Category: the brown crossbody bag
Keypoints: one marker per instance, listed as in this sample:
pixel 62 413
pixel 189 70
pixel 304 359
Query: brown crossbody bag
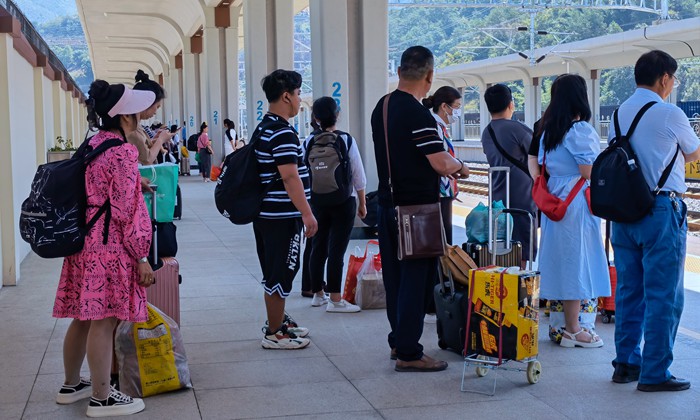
pixel 421 233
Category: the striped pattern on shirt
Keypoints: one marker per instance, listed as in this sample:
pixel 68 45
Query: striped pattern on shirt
pixel 278 144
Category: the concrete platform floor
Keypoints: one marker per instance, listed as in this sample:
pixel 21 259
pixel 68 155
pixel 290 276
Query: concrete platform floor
pixel 345 373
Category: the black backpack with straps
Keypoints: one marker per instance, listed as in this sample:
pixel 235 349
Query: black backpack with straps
pixel 619 192
pixel 239 193
pixel 52 220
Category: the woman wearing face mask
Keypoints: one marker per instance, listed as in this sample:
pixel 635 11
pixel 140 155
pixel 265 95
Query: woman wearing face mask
pixel 148 149
pixel 446 106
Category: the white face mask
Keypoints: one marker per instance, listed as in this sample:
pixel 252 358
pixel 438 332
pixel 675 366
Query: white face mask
pixel 455 116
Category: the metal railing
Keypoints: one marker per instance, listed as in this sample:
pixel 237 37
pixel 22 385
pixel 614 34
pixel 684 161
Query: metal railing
pixel 36 40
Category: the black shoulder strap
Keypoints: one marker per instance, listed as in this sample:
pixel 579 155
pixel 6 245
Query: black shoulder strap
pixel 348 136
pixel 636 120
pixel 106 145
pixel 667 171
pixel 518 164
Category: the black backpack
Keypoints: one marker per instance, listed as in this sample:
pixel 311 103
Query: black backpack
pixel 329 168
pixel 192 142
pixel 619 192
pixel 239 193
pixel 52 220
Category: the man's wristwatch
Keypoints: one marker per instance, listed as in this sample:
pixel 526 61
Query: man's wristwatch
pixel 143 260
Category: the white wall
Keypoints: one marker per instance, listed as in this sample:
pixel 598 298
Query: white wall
pixel 22 135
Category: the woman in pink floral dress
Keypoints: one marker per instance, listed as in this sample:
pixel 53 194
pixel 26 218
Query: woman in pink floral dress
pixel 105 282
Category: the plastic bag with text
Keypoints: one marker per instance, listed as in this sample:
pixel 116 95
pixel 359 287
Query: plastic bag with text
pixel 151 356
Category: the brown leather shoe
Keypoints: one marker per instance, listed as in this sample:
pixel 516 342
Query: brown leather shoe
pixel 425 364
pixel 393 355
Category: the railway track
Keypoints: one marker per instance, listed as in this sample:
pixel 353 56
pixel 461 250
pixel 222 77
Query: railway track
pixel 481 188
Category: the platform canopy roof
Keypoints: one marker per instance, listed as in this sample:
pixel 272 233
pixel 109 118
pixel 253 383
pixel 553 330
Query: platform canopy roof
pixel 680 38
pixel 126 35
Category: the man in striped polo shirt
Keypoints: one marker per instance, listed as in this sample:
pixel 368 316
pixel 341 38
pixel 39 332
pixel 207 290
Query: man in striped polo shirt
pixel 285 208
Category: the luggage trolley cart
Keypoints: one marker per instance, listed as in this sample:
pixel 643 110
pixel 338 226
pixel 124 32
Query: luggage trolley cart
pixel 484 348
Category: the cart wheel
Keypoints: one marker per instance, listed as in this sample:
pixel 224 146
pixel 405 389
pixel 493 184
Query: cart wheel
pixel 480 370
pixel 605 318
pixel 442 344
pixel 534 369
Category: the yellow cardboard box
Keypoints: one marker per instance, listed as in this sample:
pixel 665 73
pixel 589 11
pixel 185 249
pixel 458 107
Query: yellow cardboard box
pixel 505 312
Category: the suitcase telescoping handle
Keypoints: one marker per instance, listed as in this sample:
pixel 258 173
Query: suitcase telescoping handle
pixel 154 240
pixel 533 232
pixel 493 233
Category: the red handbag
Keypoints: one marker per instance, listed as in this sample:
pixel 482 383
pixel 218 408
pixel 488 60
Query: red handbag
pixel 552 206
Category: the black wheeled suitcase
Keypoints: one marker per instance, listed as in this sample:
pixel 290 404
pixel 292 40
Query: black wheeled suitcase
pixel 451 312
pixel 506 256
pixel 178 205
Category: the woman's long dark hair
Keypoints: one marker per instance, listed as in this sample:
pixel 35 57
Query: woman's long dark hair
pixel 569 101
pixel 102 97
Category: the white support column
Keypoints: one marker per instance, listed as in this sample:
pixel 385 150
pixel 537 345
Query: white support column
pixel 366 70
pixel 213 79
pixel 256 61
pixel 330 62
pixel 190 90
pixel 8 221
pixel 281 33
pixel 593 85
pixel 533 102
pixel 68 101
pixel 39 100
pixel 167 107
pixel 484 115
pixel 172 86
pixel 232 48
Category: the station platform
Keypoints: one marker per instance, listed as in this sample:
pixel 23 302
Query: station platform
pixel 344 374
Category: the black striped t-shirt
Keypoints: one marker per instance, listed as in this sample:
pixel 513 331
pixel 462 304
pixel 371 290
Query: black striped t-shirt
pixel 278 144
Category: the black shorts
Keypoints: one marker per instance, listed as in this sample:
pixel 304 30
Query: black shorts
pixel 278 244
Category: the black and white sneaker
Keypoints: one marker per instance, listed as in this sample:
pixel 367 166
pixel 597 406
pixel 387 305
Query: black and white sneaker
pixel 68 394
pixel 283 339
pixel 292 326
pixel 116 404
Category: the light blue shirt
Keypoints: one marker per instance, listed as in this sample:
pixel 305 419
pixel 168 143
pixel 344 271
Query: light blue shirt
pixel 654 140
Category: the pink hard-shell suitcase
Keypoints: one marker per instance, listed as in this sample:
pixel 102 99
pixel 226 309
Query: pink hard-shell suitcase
pixel 164 294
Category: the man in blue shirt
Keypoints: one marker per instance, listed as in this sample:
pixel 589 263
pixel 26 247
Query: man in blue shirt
pixel 650 253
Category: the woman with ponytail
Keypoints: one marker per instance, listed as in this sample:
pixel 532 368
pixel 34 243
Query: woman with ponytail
pixel 148 148
pixel 105 282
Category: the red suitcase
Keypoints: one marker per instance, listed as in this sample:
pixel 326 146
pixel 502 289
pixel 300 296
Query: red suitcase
pixel 606 305
pixel 164 294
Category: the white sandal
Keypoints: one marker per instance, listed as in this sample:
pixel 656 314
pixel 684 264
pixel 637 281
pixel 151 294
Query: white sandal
pixel 569 340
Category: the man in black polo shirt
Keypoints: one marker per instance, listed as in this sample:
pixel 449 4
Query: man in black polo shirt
pixel 418 159
pixel 285 208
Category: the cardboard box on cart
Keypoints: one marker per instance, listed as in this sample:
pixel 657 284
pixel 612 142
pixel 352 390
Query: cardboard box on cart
pixel 518 314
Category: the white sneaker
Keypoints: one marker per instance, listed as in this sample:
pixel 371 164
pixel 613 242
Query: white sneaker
pixel 116 404
pixel 68 394
pixel 342 306
pixel 319 300
pixel 283 339
pixel 430 318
